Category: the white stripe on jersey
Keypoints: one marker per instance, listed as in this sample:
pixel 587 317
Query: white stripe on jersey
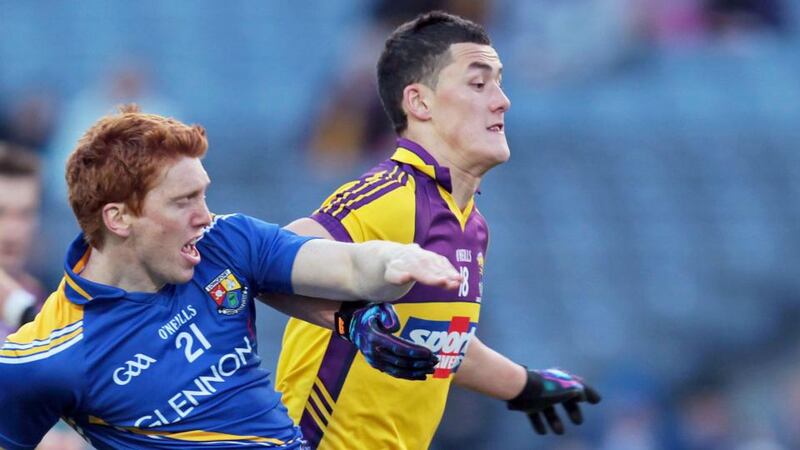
pixel 214 222
pixel 38 343
pixel 35 357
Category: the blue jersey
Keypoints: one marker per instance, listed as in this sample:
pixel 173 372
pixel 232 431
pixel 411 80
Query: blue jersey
pixel 174 369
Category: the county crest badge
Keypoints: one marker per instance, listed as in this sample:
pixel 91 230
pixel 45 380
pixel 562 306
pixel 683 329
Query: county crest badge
pixel 229 295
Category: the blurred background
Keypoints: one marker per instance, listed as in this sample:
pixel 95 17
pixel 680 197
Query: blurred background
pixel 645 234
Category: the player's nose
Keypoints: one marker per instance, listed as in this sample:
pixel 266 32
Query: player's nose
pixel 501 102
pixel 203 216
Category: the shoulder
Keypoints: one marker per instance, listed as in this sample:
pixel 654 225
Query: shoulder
pixel 380 204
pixel 262 252
pixel 480 217
pixel 237 224
pixel 371 187
pixel 234 235
pixel 56 329
pixel 46 352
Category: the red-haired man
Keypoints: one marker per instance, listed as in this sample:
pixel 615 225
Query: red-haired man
pixel 149 341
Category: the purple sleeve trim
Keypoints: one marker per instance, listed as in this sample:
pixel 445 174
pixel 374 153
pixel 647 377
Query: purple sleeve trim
pixel 388 187
pixel 334 227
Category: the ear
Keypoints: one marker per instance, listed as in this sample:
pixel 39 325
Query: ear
pixel 416 101
pixel 116 217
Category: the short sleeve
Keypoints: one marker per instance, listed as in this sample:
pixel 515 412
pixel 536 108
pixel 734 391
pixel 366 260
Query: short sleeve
pixel 274 258
pixel 264 252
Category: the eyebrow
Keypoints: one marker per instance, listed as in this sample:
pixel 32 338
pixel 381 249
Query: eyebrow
pixel 484 66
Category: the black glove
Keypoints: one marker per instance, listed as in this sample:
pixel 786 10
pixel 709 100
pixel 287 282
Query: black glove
pixel 369 327
pixel 547 388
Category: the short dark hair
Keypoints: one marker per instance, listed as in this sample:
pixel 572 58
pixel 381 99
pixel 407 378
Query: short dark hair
pixel 16 161
pixel 415 53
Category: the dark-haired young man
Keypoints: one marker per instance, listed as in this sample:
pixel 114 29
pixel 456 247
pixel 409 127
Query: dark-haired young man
pixel 439 80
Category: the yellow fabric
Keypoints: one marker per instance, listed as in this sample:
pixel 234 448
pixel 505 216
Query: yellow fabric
pixel 373 410
pixel 77 269
pixel 46 331
pixel 408 157
pixel 304 344
pixel 462 216
pixel 301 356
pixel 408 412
pixel 350 196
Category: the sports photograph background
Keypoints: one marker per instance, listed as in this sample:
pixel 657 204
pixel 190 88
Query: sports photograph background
pixel 645 233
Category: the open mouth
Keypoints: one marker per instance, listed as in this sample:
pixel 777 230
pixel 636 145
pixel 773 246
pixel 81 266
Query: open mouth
pixel 189 250
pixel 496 128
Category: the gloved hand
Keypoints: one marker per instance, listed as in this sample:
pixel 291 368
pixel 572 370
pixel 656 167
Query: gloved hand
pixel 369 327
pixel 547 388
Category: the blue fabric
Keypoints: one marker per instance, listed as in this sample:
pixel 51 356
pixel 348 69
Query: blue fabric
pixel 183 359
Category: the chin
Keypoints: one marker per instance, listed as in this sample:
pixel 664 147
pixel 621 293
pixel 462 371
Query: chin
pixel 182 278
pixel 498 154
pixel 188 277
pixel 505 157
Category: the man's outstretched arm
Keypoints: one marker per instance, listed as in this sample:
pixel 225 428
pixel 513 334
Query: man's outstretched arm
pixel 313 310
pixel 534 392
pixel 318 311
pixel 369 327
pixel 374 270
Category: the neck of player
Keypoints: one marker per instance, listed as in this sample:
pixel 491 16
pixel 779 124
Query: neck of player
pixel 465 184
pixel 115 267
pixel 464 176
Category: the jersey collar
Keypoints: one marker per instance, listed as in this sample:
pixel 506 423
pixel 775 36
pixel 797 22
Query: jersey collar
pixel 78 289
pixel 409 152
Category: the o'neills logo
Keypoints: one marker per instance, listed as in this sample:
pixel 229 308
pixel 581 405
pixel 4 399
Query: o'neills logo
pixel 227 293
pixel 448 340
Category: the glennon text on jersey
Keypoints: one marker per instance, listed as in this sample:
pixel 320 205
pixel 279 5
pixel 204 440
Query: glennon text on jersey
pixel 184 401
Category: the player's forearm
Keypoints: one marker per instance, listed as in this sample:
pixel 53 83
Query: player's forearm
pixel 488 372
pixel 309 227
pixel 375 271
pixel 340 271
pixel 313 310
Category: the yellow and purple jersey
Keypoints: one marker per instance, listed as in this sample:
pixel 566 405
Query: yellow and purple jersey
pixel 340 401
